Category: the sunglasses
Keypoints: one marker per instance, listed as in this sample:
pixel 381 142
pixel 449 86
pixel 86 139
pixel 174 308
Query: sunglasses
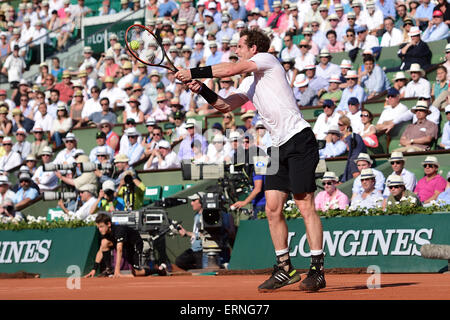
pixel 394 187
pixel 328 183
pixel 327 107
pixel 396 162
pixel 428 165
pixel 364 115
pixel 157 134
pixel 303 46
pixel 341 124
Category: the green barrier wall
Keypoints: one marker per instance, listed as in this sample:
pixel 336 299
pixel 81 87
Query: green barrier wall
pixel 48 252
pixel 391 242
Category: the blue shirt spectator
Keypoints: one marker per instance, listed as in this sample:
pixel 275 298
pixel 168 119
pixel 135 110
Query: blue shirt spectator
pixel 237 12
pixel 445 142
pixel 375 82
pixel 435 32
pixel 166 8
pixel 214 58
pixel 425 12
pixel 185 152
pixel 356 91
pixel 387 7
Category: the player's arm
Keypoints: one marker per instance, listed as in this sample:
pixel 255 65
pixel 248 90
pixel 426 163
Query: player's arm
pixel 98 259
pixel 221 70
pixel 223 105
pixel 119 250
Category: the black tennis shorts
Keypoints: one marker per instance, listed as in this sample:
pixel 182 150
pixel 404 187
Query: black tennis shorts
pixel 298 159
pixel 132 253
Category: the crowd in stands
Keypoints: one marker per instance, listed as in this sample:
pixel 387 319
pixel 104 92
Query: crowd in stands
pixel 112 88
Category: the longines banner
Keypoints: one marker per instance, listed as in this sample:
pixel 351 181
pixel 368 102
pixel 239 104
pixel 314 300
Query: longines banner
pixel 48 252
pixel 391 242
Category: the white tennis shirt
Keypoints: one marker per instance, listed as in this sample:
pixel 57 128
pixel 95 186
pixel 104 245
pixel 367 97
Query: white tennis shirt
pixel 272 96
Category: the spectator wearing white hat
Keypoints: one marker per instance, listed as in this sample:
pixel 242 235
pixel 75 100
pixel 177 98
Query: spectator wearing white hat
pixel 398 194
pixel 315 82
pixel 25 194
pixel 303 93
pixel 185 151
pixel 88 201
pixel 101 149
pixel 46 180
pixel 107 201
pixel 363 161
pixel 353 89
pixel 11 159
pixel 370 197
pixel 415 51
pixel 325 68
pixel 445 141
pixel 334 146
pixel 432 184
pixel 332 92
pixel 331 197
pixel 67 154
pixel 418 86
pixel 305 57
pixel 22 146
pixel 135 150
pixel 81 179
pixel 5 190
pixel 398 162
pixel 373 17
pixel 162 158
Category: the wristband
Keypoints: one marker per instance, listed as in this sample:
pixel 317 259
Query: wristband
pixel 209 95
pixel 96 265
pixel 201 72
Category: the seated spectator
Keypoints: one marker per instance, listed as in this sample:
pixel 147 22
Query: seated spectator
pixel 432 184
pixel 67 155
pixel 305 57
pixel 329 117
pixel 107 200
pixel 112 138
pixel 331 197
pixel 5 191
pixel 364 40
pixel 333 92
pixel 262 136
pixel 419 136
pixel 415 51
pixel 444 197
pixel 22 146
pixel 5 123
pixel 42 118
pixel 20 121
pixel 185 151
pixel 334 146
pixel 30 163
pixel 398 168
pixel 441 83
pixel 133 112
pixel 88 201
pixel 373 78
pixel 11 159
pixel 398 194
pixel 437 28
pixel 400 82
pixel 353 89
pixel 135 150
pixel 162 111
pixel 363 161
pixel 46 180
pixel 370 197
pixel 418 86
pixel 100 139
pixel 218 150
pixel 316 82
pixel 25 194
pixel 162 158
pixel 391 112
pixel 76 108
pixel 228 121
pixel 61 125
pixel 392 36
pixel 350 37
pixel 445 142
pixel 106 113
pixel 334 45
pixel 303 93
pixel 8 211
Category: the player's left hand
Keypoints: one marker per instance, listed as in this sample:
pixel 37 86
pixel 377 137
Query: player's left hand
pixel 184 75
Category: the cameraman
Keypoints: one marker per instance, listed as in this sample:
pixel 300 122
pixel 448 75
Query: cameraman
pixel 192 258
pixel 88 201
pixel 7 210
pixel 106 200
pixel 103 158
pixel 128 244
pixel 83 179
pixel 130 188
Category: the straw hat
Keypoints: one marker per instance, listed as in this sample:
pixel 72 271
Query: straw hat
pixel 396 156
pixel 367 174
pixel 363 157
pixel 421 106
pixel 301 81
pixel 415 67
pixel 395 180
pixel 431 160
pixel 330 175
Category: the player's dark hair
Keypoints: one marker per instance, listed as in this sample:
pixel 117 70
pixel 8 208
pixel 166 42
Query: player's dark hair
pixel 102 217
pixel 369 58
pixel 257 38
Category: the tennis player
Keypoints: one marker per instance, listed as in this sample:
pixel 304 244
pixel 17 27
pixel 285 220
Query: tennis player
pixel 293 139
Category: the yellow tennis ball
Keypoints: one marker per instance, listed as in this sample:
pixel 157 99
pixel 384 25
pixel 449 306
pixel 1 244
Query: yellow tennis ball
pixel 134 44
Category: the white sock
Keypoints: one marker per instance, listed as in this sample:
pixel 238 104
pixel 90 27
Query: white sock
pixel 281 252
pixel 316 252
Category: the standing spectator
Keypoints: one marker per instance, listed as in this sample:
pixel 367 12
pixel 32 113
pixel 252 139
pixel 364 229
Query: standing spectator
pixel 331 197
pixel 432 184
pixel 14 68
pixel 370 197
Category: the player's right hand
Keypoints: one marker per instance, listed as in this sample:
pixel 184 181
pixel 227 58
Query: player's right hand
pixel 90 274
pixel 194 86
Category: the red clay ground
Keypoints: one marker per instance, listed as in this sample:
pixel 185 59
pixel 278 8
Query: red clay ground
pixel 228 287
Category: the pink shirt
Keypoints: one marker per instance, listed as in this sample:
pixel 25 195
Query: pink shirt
pixel 425 189
pixel 338 47
pixel 323 199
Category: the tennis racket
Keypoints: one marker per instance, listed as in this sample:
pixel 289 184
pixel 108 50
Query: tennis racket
pixel 138 38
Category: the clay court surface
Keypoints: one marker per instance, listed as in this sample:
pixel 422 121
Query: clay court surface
pixel 228 287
